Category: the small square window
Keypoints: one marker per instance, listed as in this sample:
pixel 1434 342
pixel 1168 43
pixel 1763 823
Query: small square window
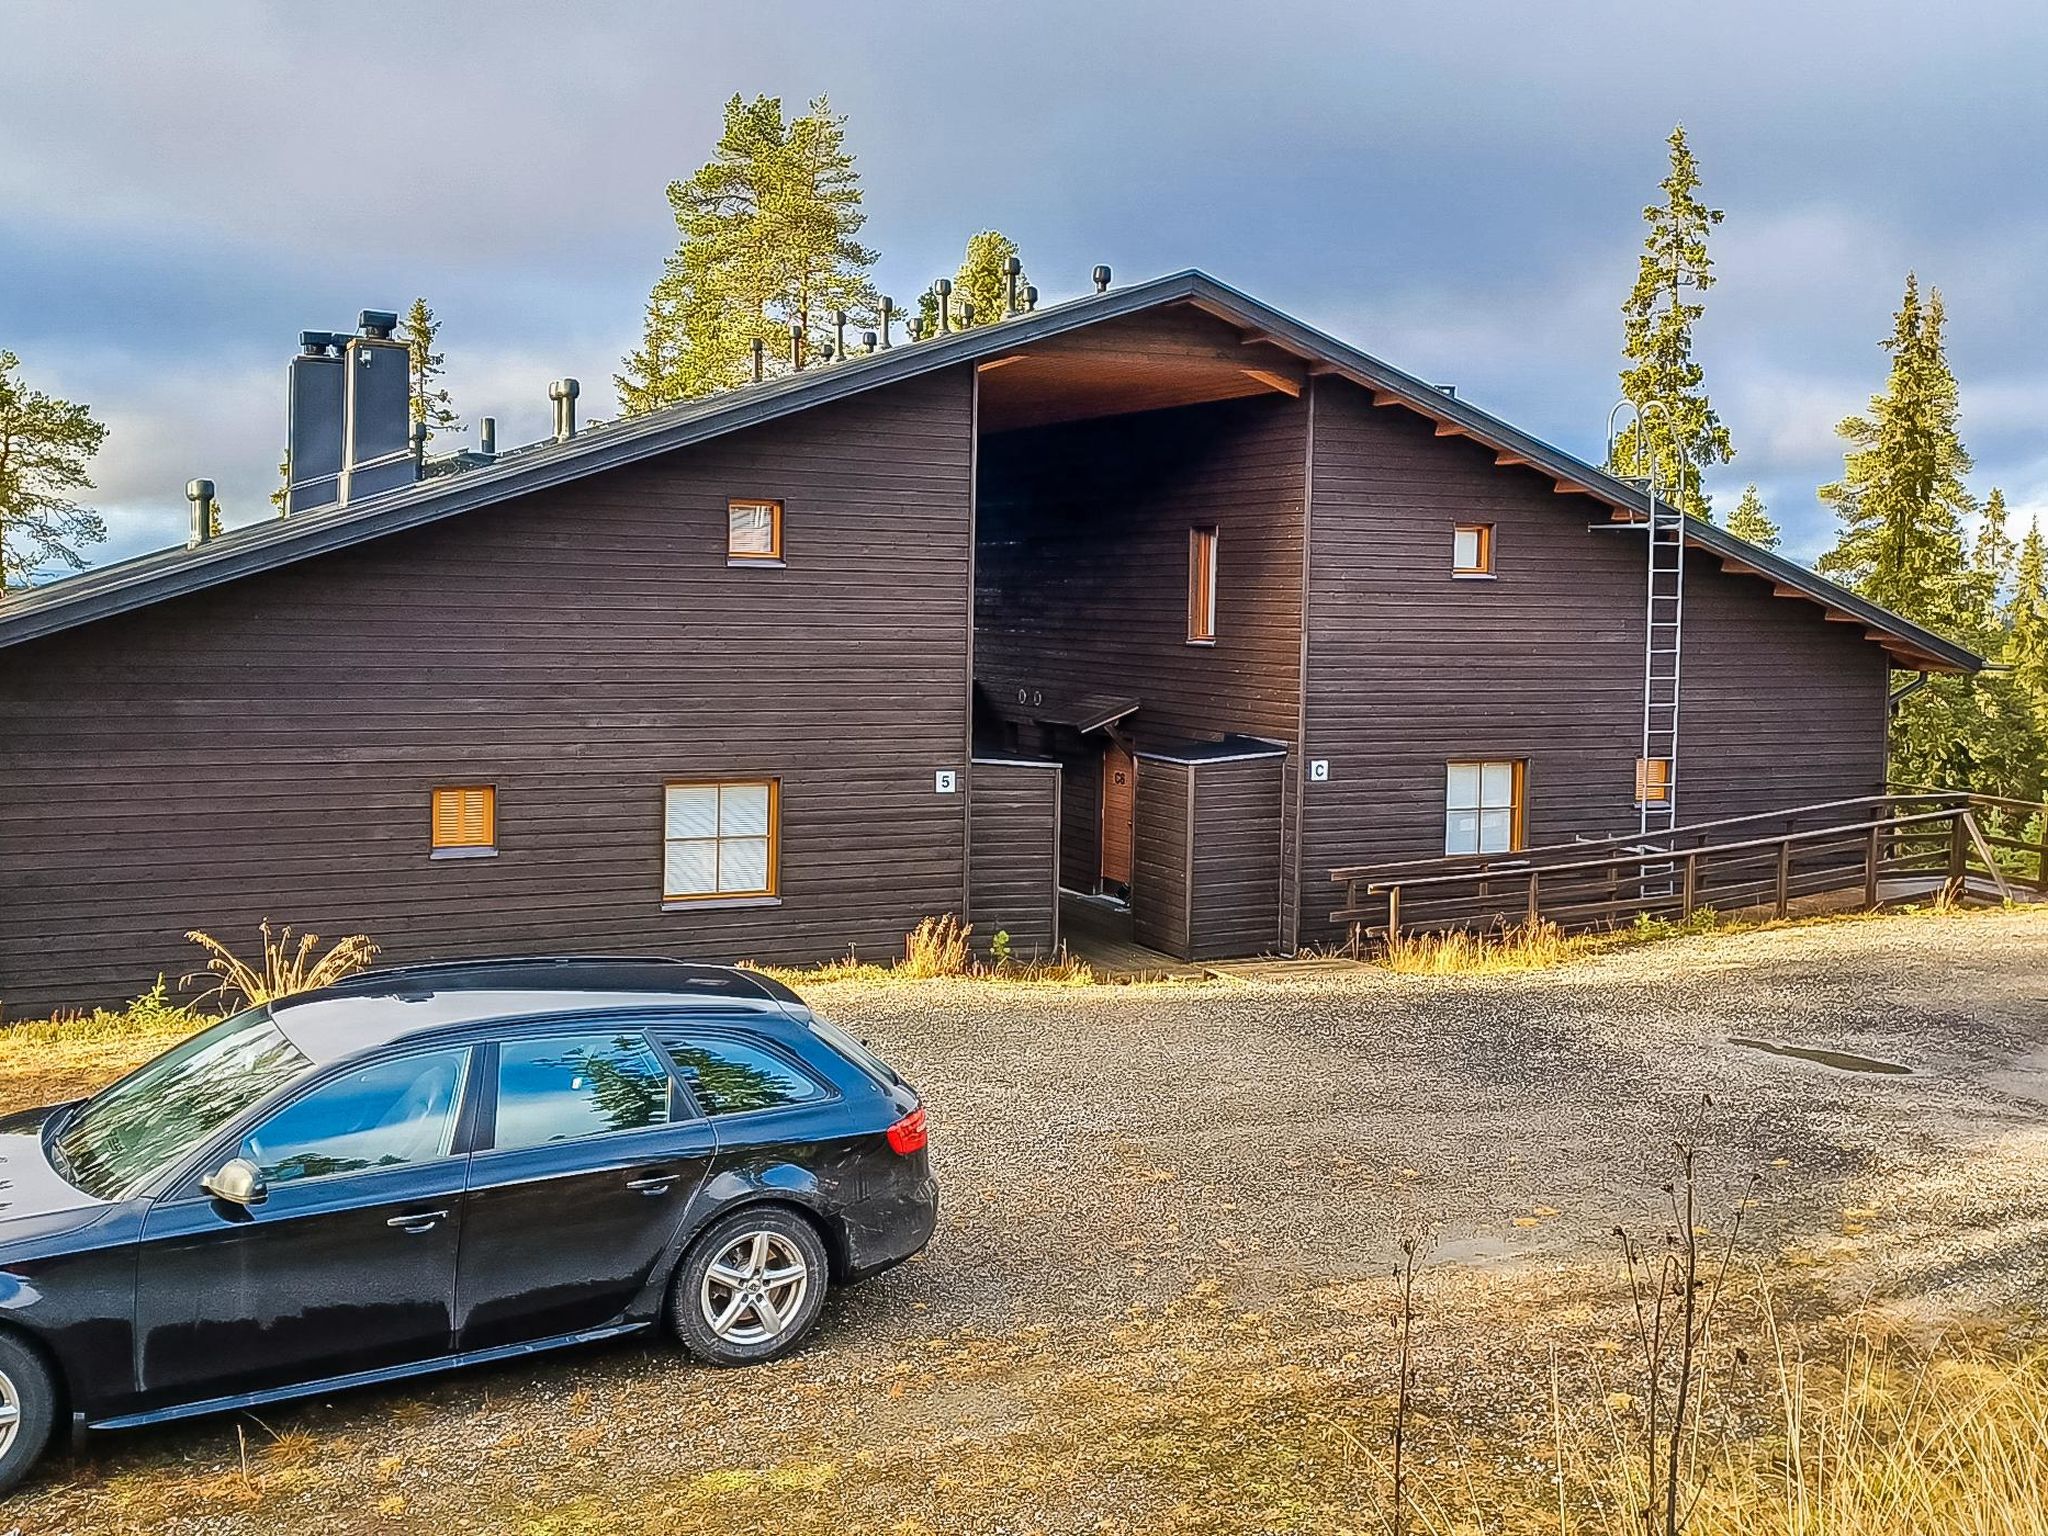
pixel 1653 780
pixel 465 816
pixel 753 530
pixel 1472 549
pixel 719 840
pixel 1483 806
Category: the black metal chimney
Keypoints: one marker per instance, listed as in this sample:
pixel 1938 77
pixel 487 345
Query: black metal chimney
pixel 564 392
pixel 377 446
pixel 888 314
pixel 487 437
pixel 796 344
pixel 944 289
pixel 760 360
pixel 839 333
pixel 314 407
pixel 200 494
pixel 1101 276
pixel 1013 269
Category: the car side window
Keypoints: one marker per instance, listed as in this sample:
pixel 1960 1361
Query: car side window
pixel 399 1111
pixel 730 1077
pixel 567 1087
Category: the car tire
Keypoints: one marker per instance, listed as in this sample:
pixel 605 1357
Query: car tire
pixel 28 1409
pixel 750 1287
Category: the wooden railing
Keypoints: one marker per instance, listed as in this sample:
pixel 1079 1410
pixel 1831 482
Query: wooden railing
pixel 1875 847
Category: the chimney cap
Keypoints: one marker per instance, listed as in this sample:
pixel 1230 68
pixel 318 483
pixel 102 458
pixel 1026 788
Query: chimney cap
pixel 564 389
pixel 378 324
pixel 315 343
pixel 1013 266
pixel 199 490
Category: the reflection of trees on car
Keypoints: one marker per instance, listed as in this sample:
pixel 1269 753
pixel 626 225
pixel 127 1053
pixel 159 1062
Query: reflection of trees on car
pixel 725 1085
pixel 315 1165
pixel 628 1087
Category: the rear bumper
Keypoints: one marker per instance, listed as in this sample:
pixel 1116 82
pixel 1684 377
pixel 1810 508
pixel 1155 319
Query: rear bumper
pixel 889 1227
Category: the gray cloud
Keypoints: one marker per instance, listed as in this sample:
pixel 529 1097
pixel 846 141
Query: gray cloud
pixel 1455 188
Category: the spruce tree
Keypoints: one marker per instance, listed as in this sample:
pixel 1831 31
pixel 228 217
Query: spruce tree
pixel 1991 560
pixel 2026 624
pixel 1662 379
pixel 1752 521
pixel 45 444
pixel 1901 500
pixel 981 288
pixel 431 406
pixel 768 242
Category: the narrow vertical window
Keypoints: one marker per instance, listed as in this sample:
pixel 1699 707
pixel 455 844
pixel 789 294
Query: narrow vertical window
pixel 465 819
pixel 719 839
pixel 1201 586
pixel 1472 549
pixel 753 530
pixel 1483 806
pixel 1653 780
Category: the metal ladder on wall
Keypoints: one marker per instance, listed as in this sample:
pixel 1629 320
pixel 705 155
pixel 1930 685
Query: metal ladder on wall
pixel 1663 658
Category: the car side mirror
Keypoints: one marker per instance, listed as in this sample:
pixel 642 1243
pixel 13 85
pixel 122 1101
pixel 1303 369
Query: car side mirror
pixel 239 1182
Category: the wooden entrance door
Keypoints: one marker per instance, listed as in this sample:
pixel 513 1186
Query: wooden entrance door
pixel 1119 812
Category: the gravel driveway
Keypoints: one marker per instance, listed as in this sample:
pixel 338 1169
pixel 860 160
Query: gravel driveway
pixel 1158 1202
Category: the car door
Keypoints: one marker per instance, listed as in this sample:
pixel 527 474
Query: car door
pixel 591 1158
pixel 346 1264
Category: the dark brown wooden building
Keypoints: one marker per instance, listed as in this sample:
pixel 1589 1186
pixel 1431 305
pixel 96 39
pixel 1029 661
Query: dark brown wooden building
pixel 1159 592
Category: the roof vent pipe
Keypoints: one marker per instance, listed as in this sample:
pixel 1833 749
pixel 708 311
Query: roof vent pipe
pixel 200 494
pixel 915 324
pixel 888 315
pixel 1101 279
pixel 1030 297
pixel 966 314
pixel 796 344
pixel 944 289
pixel 839 333
pixel 1013 269
pixel 760 360
pixel 867 339
pixel 487 437
pixel 564 392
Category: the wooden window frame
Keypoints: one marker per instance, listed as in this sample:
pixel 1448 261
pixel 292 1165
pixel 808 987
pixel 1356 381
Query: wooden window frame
pixel 752 556
pixel 458 845
pixel 1484 568
pixel 1653 781
pixel 1518 804
pixel 1203 542
pixel 772 891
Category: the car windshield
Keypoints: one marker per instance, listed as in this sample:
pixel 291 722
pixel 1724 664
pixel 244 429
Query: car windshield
pixel 121 1135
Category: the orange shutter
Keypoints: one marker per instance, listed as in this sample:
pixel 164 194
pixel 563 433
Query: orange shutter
pixel 466 816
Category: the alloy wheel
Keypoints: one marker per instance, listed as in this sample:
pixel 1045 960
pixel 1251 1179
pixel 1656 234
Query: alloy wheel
pixel 755 1288
pixel 10 1413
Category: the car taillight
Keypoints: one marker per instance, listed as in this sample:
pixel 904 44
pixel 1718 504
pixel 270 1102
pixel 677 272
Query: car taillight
pixel 908 1135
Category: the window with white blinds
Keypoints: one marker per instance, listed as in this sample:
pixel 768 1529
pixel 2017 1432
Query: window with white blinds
pixel 719 839
pixel 1483 807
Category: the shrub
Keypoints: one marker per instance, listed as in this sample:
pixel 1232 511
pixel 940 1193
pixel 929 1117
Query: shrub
pixel 999 948
pixel 150 1015
pixel 285 967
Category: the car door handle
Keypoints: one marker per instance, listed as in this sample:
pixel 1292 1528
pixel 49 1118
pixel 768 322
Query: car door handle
pixel 418 1221
pixel 656 1184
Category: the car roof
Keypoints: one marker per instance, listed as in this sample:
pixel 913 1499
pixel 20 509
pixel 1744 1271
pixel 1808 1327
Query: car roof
pixel 377 1008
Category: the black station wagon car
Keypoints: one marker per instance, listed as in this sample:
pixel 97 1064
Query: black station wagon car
pixel 432 1166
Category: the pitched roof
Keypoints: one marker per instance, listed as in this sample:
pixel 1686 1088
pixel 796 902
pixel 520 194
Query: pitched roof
pixel 152 578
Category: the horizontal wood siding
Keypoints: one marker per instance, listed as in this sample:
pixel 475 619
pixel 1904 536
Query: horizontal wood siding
pixel 1159 883
pixel 1014 857
pixel 1410 667
pixel 1235 901
pixel 268 748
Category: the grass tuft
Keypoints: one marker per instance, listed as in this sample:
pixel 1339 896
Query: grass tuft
pixel 285 967
pixel 938 946
pixel 1460 952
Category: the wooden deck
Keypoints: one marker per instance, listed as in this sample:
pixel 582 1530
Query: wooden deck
pixel 1098 931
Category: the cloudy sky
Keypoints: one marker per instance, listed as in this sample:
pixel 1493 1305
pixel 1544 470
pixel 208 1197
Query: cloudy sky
pixel 1455 185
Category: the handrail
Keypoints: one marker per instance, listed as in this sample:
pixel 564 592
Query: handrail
pixel 1661 856
pixel 1520 856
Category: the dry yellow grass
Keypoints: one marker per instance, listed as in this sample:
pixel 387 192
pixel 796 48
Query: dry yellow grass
pixel 1512 947
pixel 284 967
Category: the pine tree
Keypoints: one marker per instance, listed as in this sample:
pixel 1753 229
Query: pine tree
pixel 431 406
pixel 45 445
pixel 981 287
pixel 768 243
pixel 1663 381
pixel 2026 624
pixel 1991 572
pixel 1752 521
pixel 1901 499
